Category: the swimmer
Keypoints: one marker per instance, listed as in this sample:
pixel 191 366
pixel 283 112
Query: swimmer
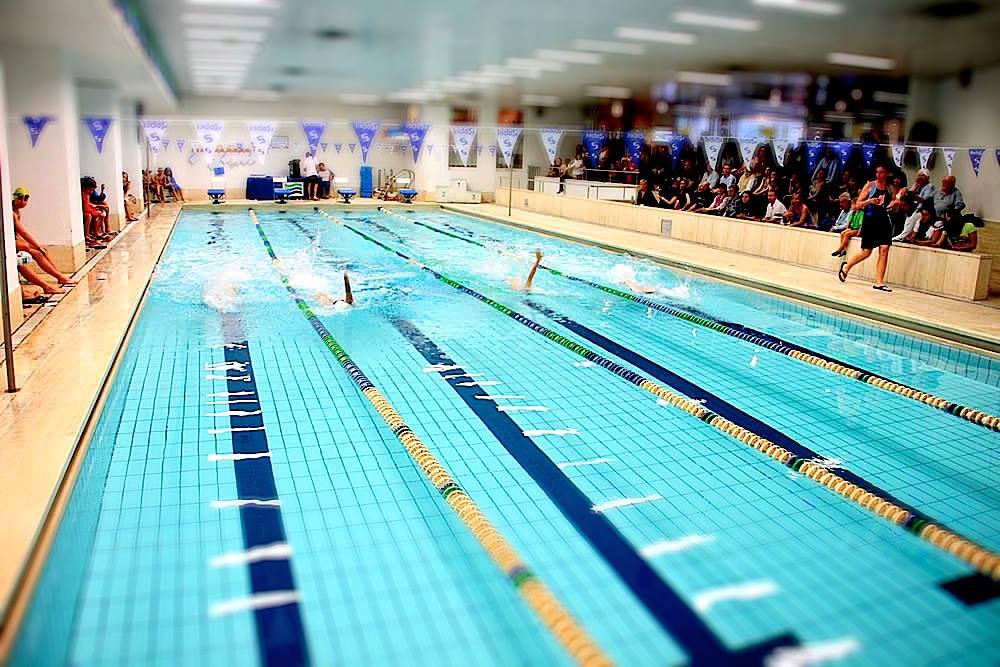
pixel 325 300
pixel 638 287
pixel 531 274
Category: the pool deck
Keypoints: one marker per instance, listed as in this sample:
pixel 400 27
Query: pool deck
pixel 64 362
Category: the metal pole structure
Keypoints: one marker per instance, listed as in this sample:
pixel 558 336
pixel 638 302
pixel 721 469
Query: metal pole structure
pixel 8 339
pixel 510 185
pixel 145 192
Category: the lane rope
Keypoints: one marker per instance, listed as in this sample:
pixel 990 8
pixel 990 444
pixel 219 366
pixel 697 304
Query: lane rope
pixel 765 340
pixel 553 614
pixel 979 557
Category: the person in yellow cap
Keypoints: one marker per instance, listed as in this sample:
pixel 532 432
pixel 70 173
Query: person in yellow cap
pixel 25 242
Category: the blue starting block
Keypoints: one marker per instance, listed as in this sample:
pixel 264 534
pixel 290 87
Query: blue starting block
pixel 346 194
pixel 407 195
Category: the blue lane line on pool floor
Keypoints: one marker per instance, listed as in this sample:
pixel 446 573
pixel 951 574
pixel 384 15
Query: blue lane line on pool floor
pixel 671 612
pixel 720 406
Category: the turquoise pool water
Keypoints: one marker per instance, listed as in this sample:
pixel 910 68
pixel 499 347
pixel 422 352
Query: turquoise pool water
pixel 242 503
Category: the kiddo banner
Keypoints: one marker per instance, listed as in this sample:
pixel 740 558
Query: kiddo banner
pixel 261 133
pixel 780 149
pixel 925 155
pixel 154 131
pixel 365 131
pixel 976 158
pixel 713 146
pixel 98 130
pixel 550 141
pixel 417 133
pixel 209 132
pixel 813 150
pixel 593 141
pixel 313 129
pixel 507 138
pixel 35 125
pixel 897 154
pixel 949 157
pixel 635 141
pixel 464 136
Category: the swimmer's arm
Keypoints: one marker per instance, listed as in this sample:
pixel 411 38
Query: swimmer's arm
pixel 534 268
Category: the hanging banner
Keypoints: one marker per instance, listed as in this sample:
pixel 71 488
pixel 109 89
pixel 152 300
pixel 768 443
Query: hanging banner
pixel 479 149
pixel 261 133
pixel 976 158
pixel 813 150
pixel 430 149
pixel 208 132
pixel 593 141
pixel 324 145
pixel 844 150
pixel 35 125
pixel 464 136
pixel 780 149
pixel 313 129
pixel 338 147
pixel 352 147
pixel 997 152
pixel 154 131
pixel 925 155
pixel 550 137
pixel 98 130
pixel 713 146
pixel 507 137
pixel 365 131
pixel 417 133
pixel 166 144
pixel 635 141
pixel 868 154
pixel 493 151
pixel 180 145
pixel 747 146
pixel 949 157
pixel 677 143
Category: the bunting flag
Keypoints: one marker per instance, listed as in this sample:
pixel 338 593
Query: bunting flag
pixel 98 130
pixel 261 133
pixel 239 145
pixel 464 136
pixel 180 145
pixel 479 149
pixel 813 150
pixel 713 146
pixel 949 157
pixel 313 130
pixel 493 150
pixel 925 155
pixel 844 150
pixel 635 141
pixel 324 145
pixel 868 151
pixel 507 137
pixel 365 131
pixel 593 141
pixel 165 143
pixel 677 142
pixel 337 148
pixel 897 154
pixel 417 133
pixel 208 132
pixel 780 150
pixel 430 149
pixel 550 137
pixel 976 158
pixel 154 131
pixel 35 125
pixel 747 146
pixel 352 147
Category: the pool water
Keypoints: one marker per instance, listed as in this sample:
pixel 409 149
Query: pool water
pixel 242 502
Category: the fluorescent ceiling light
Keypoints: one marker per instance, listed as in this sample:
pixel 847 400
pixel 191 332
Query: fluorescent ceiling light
pixel 227 20
pixel 479 77
pixel 539 100
pixel 219 62
pixel 254 4
pixel 508 71
pixel 648 35
pixel 720 21
pixel 613 92
pixel 885 97
pixel 532 63
pixel 822 7
pixel 578 57
pixel 225 34
pixel 705 78
pixel 358 98
pixel 609 47
pixel 238 49
pixel 856 60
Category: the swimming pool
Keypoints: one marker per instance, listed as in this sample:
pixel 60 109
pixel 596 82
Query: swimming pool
pixel 244 499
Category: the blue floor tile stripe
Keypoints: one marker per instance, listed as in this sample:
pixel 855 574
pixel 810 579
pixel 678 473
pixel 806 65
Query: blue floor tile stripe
pixel 663 603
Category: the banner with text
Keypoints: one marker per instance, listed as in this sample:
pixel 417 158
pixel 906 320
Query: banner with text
pixel 417 133
pixel 507 138
pixel 35 125
pixel 976 158
pixel 209 132
pixel 593 141
pixel 313 129
pixel 949 157
pixel 897 154
pixel 261 133
pixel 464 136
pixel 365 131
pixel 813 150
pixel 844 150
pixel 550 137
pixel 747 146
pixel 98 128
pixel 780 150
pixel 154 131
pixel 635 141
pixel 713 146
pixel 925 155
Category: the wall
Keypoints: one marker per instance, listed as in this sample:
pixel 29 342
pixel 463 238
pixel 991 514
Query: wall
pixel 8 255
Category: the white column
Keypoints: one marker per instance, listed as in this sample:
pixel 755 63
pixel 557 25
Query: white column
pixel 8 260
pixel 38 83
pixel 432 169
pixel 100 101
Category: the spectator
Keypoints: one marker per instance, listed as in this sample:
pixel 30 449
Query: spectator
pixel 158 183
pixel 853 228
pixel 900 214
pixel 25 242
pixel 130 203
pixel 936 235
pixel 923 189
pixel 830 165
pixel 775 211
pixel 948 197
pixel 967 238
pixel 819 199
pixel 576 168
pixel 916 226
pixel 745 207
pixel 702 197
pixel 719 202
pixel 307 167
pixel 734 205
pixel 556 171
pixel 798 214
pixel 94 219
pixel 728 178
pixel 844 216
pixel 170 183
pixel 644 196
pixel 325 179
pixel 711 176
pixel 760 159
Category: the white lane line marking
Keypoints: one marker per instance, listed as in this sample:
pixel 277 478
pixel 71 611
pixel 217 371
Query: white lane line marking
pixel 255 601
pixel 527 408
pixel 241 502
pixel 239 429
pixel 276 551
pixel 230 378
pixel 497 397
pixel 583 364
pixel 461 375
pixel 484 383
pixel 232 393
pixel 625 502
pixel 674 546
pixel 550 431
pixel 440 368
pixel 590 462
pixel 752 590
pixel 236 400
pixel 212 458
pixel 812 654
pixel 227 366
pixel 234 413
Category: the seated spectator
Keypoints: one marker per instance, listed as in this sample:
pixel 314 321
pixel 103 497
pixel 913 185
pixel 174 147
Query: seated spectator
pixel 556 171
pixel 674 196
pixel 760 159
pixel 157 182
pixel 576 168
pixel 701 198
pixel 728 177
pixel 644 195
pixel 852 187
pixel 904 213
pixel 794 185
pixel 854 220
pixel 948 197
pixel 99 199
pixel 829 164
pixel 94 219
pixel 719 201
pixel 916 225
pixel 25 242
pixel 798 214
pixel 170 184
pixel 711 176
pixel 819 199
pixel 687 171
pixel 734 205
pixel 844 214
pixel 923 189
pixel 745 206
pixel 130 203
pixel 966 238
pixel 936 235
pixel 775 211
pixel 325 179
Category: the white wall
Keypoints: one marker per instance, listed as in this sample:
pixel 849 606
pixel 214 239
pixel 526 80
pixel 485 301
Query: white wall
pixel 8 262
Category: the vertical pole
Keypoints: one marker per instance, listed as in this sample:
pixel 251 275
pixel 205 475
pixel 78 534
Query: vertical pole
pixel 8 340
pixel 510 185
